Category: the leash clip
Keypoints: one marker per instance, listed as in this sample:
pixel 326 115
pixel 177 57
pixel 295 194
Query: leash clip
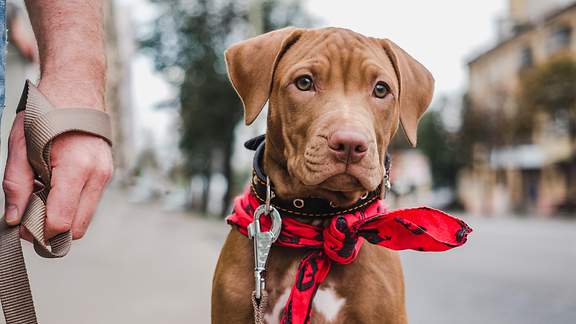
pixel 263 240
pixel 386 185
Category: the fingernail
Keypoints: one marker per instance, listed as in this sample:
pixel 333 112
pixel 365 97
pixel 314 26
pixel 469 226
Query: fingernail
pixel 11 214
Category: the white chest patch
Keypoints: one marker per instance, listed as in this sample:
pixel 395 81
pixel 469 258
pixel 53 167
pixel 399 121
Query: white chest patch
pixel 274 316
pixel 328 303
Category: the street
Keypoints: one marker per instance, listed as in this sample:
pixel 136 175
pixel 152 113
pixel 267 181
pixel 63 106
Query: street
pixel 140 264
pixel 510 271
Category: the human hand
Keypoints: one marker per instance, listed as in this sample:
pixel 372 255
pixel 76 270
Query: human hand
pixel 81 168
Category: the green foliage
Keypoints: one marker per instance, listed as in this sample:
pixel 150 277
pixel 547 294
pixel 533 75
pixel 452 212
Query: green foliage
pixel 441 147
pixel 549 88
pixel 187 42
pixel 481 128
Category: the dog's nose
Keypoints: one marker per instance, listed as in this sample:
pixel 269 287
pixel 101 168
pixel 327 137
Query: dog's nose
pixel 348 146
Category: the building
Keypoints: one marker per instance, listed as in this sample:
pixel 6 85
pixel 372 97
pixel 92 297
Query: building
pixel 536 175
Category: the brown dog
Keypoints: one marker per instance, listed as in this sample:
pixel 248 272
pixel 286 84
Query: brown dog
pixel 335 101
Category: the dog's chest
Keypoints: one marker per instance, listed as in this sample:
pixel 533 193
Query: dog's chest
pixel 327 305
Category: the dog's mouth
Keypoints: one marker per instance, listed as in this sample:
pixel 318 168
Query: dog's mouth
pixel 342 182
pixel 342 189
pixel 345 181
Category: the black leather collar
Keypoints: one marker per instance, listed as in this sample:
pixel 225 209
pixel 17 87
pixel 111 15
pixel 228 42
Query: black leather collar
pixel 308 207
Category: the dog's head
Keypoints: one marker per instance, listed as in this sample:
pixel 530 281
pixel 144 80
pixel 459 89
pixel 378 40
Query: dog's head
pixel 335 101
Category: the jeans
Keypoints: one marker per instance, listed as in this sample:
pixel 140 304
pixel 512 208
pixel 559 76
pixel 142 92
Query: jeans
pixel 2 54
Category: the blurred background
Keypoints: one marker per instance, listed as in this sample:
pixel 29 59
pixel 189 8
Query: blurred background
pixel 496 147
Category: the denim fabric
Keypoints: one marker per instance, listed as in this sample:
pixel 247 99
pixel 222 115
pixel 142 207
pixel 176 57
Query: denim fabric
pixel 2 54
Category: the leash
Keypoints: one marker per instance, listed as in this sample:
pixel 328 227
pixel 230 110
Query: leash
pixel 42 123
pixel 338 239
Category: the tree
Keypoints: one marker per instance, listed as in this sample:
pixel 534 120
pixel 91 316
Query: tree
pixel 439 146
pixel 550 89
pixel 187 42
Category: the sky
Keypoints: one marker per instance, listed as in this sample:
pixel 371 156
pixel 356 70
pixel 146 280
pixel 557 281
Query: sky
pixel 441 34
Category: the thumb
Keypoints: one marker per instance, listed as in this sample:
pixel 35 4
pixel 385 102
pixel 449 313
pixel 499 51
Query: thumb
pixel 18 180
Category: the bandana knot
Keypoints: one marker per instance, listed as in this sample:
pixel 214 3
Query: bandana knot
pixel 341 240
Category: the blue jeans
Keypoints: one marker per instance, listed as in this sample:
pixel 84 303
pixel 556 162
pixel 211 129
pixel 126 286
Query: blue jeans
pixel 2 54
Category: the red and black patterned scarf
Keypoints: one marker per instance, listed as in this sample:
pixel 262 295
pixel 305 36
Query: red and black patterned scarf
pixel 422 229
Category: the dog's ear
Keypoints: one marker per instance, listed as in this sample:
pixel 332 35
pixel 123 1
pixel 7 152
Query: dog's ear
pixel 251 66
pixel 416 87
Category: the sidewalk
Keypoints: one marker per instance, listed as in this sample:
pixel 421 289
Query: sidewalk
pixel 137 264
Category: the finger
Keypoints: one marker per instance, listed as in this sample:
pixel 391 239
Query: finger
pixel 18 180
pixel 99 177
pixel 89 199
pixel 66 186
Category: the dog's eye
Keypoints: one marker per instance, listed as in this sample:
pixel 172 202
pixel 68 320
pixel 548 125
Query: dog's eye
pixel 380 90
pixel 304 83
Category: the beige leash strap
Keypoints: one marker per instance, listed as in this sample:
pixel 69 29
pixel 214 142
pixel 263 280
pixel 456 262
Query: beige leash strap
pixel 259 306
pixel 42 123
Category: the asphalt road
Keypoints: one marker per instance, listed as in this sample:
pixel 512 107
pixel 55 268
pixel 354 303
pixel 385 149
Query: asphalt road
pixel 510 271
pixel 140 264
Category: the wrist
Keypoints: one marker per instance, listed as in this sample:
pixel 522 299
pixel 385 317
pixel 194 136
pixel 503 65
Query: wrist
pixel 69 91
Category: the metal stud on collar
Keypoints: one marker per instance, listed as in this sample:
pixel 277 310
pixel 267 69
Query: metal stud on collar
pixel 298 203
pixel 364 196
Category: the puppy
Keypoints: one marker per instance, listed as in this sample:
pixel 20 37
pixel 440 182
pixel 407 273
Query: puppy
pixel 335 98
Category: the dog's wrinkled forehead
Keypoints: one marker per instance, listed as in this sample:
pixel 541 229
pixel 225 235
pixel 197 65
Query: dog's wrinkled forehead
pixel 337 54
pixel 252 65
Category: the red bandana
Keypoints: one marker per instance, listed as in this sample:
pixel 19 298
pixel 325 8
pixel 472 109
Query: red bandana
pixel 422 229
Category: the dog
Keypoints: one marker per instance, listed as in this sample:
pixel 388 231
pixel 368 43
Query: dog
pixel 335 100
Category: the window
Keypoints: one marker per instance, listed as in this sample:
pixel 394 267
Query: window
pixel 560 38
pixel 526 57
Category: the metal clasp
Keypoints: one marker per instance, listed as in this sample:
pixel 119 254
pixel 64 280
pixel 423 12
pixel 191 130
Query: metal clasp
pixel 263 240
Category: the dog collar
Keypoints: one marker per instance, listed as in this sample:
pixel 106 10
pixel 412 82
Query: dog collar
pixel 306 206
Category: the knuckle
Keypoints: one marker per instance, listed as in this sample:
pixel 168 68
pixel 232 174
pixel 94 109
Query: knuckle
pixel 78 160
pixel 104 172
pixel 69 179
pixel 12 187
pixel 83 162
